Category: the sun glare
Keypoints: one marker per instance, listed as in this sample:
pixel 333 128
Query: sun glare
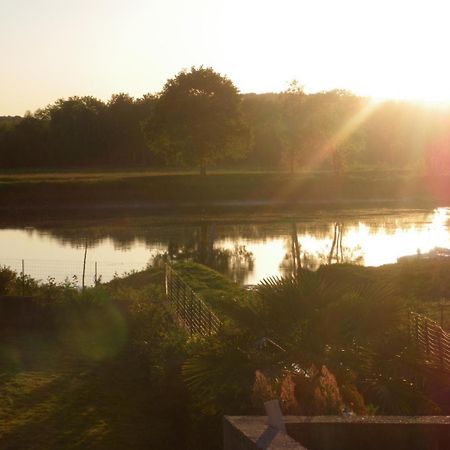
pixel 381 49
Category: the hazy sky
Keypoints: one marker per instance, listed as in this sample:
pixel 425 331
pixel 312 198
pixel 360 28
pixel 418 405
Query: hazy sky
pixel 57 48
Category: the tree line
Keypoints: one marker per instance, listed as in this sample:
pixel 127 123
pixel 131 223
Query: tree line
pixel 200 119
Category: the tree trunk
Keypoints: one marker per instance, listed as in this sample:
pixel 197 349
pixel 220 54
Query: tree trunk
pixel 202 169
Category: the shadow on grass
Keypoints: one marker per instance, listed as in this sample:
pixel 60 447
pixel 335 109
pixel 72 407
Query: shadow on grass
pixel 69 403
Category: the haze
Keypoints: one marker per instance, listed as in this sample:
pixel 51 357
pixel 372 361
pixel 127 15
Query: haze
pixel 52 49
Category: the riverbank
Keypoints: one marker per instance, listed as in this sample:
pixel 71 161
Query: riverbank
pixel 98 366
pixel 159 192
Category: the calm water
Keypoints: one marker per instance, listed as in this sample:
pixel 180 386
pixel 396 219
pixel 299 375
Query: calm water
pixel 245 248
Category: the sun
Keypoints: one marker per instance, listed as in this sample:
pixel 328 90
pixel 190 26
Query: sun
pixel 423 87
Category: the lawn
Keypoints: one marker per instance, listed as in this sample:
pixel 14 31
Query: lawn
pixel 128 188
pixel 60 390
pixel 58 401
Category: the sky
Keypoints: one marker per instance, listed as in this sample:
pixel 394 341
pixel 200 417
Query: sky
pixel 54 49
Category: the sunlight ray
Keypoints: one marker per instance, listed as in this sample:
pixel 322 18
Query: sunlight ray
pixel 349 127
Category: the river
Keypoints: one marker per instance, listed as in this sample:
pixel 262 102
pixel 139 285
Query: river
pixel 247 248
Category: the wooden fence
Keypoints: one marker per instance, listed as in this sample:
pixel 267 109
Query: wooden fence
pixel 432 341
pixel 191 311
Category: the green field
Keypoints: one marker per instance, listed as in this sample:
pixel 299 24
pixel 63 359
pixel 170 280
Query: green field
pixel 224 189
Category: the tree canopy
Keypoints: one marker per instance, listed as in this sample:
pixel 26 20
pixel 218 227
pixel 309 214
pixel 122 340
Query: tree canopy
pixel 200 119
pixel 197 119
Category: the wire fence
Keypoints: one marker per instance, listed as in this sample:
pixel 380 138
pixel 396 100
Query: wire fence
pixel 432 340
pixel 192 312
pixel 61 271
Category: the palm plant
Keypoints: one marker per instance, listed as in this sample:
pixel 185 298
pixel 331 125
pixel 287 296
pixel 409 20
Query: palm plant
pixel 360 335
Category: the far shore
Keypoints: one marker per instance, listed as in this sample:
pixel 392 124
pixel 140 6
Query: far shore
pixel 219 191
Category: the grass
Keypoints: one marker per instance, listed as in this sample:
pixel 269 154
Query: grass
pixel 125 188
pixel 213 287
pixel 54 396
pixel 58 392
pixel 424 285
pixel 421 280
pixel 60 402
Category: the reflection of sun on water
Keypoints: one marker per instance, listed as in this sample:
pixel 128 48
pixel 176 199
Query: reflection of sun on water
pixel 385 245
pixel 368 238
pixel 267 256
pixel 376 245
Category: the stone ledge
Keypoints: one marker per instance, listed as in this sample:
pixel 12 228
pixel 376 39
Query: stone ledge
pixel 253 433
pixel 339 433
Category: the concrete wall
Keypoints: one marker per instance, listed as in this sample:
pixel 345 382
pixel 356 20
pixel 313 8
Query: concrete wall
pixel 371 433
pixel 339 433
pixel 253 433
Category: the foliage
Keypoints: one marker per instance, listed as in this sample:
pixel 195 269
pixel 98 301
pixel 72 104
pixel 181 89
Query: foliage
pixel 334 341
pixel 215 289
pixel 320 346
pixel 78 131
pixel 97 375
pixel 293 124
pixel 197 119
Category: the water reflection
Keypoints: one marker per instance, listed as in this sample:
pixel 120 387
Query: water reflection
pixel 245 249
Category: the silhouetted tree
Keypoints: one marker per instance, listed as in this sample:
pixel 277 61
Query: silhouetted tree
pixel 336 123
pixel 76 129
pixel 292 126
pixel 197 119
pixel 262 112
pixel 126 142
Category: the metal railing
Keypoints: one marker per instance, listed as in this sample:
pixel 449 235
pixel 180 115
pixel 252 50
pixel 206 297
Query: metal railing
pixel 432 341
pixel 191 311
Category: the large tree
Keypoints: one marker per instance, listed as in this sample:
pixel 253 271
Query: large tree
pixel 197 119
pixel 293 126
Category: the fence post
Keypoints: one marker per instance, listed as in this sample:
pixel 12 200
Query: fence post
pixel 427 339
pixel 23 277
pixel 416 323
pixel 184 304
pixel 178 299
pixel 189 308
pixel 441 350
pixel 200 315
pixel 191 321
pixel 167 281
pixel 95 274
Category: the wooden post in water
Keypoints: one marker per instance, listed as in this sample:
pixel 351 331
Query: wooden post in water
pixel 23 277
pixel 84 265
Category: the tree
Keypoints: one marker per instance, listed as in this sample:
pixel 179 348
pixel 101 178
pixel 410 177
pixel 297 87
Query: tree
pixel 197 119
pixel 262 112
pixel 292 124
pixel 126 143
pixel 76 130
